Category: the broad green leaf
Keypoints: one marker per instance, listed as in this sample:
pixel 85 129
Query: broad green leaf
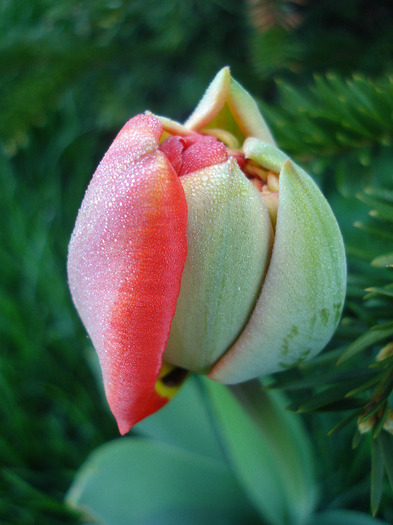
pixel 229 237
pixel 303 293
pixel 268 450
pixel 344 517
pixel 136 481
pixel 184 422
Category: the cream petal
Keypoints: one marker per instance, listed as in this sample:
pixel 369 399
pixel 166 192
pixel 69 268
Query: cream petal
pixel 172 127
pixel 211 102
pixel 229 238
pixel 303 294
pixel 267 155
pixel 247 115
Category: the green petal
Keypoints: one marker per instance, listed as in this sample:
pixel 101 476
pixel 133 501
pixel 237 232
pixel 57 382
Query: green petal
pixel 266 155
pixel 247 115
pixel 211 102
pixel 229 237
pixel 228 105
pixel 303 294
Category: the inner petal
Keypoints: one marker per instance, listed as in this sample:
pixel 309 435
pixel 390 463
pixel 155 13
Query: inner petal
pixel 193 152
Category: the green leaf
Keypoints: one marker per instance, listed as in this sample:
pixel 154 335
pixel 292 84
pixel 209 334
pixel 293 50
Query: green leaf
pixel 381 421
pixel 268 449
pixel 132 480
pixel 367 384
pixel 375 232
pixel 386 444
pixel 376 476
pixel 344 422
pixel 378 290
pixel 380 193
pixel 332 397
pixel 195 433
pixel 319 379
pixel 378 333
pixel 380 209
pixel 383 260
pixel 344 517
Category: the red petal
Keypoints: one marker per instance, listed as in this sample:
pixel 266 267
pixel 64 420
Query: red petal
pixel 173 148
pixel 126 257
pixel 206 151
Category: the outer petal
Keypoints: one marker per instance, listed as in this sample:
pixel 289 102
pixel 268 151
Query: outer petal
pixel 304 290
pixel 230 238
pixel 126 257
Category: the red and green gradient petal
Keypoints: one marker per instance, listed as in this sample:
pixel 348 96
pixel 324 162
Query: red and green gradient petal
pixel 125 263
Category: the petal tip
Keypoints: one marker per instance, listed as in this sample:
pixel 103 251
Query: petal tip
pixel 124 426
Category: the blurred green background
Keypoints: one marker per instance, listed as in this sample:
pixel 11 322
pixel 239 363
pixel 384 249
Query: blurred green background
pixel 72 72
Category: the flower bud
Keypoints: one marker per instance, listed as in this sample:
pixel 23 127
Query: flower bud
pixel 202 247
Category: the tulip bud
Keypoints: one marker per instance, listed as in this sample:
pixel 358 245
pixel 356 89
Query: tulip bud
pixel 202 247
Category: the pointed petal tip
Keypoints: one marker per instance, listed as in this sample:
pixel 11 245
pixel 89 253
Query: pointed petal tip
pixel 288 165
pixel 124 426
pixel 212 101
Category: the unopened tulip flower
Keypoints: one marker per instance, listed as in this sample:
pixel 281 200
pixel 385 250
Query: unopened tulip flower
pixel 202 247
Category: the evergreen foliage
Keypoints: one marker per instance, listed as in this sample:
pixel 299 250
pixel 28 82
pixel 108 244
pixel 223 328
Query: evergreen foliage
pixel 72 72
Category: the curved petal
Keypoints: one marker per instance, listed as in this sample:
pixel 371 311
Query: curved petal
pixel 125 261
pixel 230 238
pixel 172 127
pixel 247 114
pixel 267 155
pixel 304 290
pixel 211 102
pixel 227 105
